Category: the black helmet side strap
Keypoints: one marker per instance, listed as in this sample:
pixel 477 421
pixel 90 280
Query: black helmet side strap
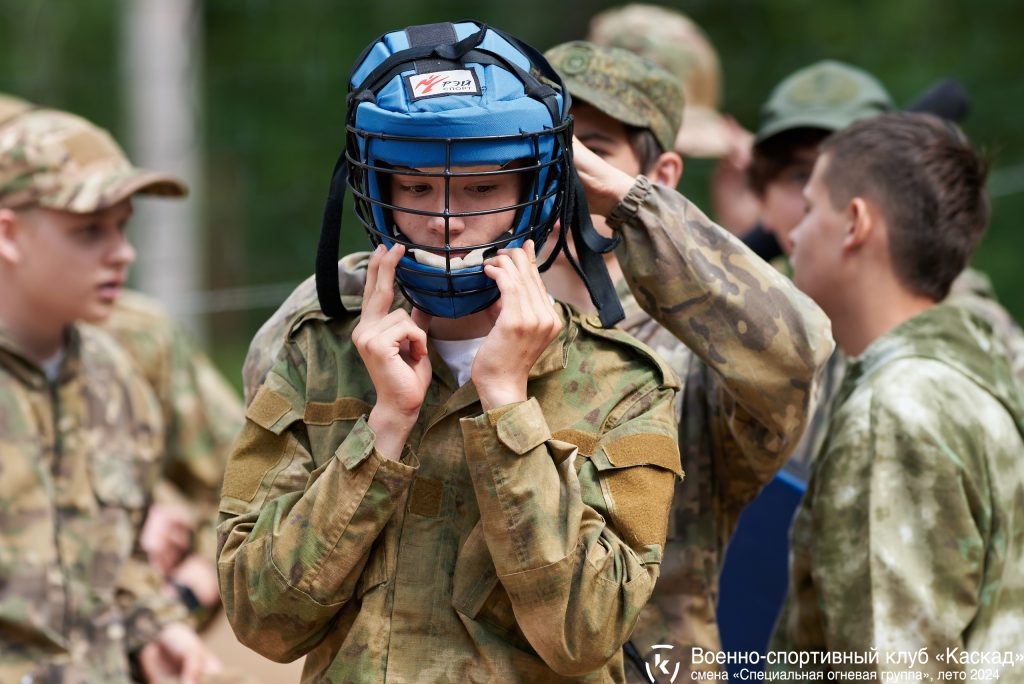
pixel 590 245
pixel 327 289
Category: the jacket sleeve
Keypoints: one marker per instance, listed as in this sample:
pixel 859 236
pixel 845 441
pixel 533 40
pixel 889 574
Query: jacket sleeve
pixel 299 515
pixel 576 542
pixel 763 340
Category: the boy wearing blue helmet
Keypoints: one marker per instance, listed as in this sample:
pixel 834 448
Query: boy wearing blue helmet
pixel 452 477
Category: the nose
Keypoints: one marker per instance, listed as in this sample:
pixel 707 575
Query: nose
pixel 456 225
pixel 122 253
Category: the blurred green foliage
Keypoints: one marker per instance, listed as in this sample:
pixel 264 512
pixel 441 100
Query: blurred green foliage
pixel 274 96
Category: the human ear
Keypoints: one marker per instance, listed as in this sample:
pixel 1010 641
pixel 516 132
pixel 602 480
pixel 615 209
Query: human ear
pixel 667 170
pixel 862 222
pixel 10 250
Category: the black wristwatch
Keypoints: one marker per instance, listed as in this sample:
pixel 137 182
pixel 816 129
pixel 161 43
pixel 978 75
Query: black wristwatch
pixel 187 597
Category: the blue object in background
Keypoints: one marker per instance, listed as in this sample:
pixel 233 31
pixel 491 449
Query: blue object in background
pixel 754 576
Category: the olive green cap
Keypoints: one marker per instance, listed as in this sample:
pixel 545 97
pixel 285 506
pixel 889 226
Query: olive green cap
pixel 623 85
pixel 829 95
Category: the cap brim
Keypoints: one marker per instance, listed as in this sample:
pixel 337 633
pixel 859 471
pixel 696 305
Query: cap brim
pixel 146 182
pixel 704 134
pixel 105 190
pixel 821 121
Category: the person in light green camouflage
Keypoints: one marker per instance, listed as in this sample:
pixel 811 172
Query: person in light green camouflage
pixel 801 111
pixel 909 537
pixel 732 440
pixel 482 497
pixel 81 433
pixel 202 415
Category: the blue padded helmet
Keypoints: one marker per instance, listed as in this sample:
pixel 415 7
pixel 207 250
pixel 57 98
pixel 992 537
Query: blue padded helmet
pixel 441 101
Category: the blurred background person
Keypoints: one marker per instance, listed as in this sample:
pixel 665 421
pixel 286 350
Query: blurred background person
pixel 82 434
pixel 674 41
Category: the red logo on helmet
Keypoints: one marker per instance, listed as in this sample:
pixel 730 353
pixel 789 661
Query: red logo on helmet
pixel 427 84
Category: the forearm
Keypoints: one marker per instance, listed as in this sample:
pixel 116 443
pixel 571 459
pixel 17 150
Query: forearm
pixel 761 336
pixel 289 566
pixel 576 586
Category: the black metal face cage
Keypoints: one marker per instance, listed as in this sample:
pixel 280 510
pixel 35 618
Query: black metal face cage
pixel 569 201
pixel 534 194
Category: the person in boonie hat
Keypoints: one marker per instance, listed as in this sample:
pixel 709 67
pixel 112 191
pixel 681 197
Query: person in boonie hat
pixel 673 40
pixel 801 111
pixel 81 429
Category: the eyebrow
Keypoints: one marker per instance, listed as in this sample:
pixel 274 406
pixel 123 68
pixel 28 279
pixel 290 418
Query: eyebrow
pixel 598 136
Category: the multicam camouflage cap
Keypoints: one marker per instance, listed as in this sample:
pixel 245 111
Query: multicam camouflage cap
pixel 671 39
pixel 11 107
pixel 622 85
pixel 61 161
pixel 830 95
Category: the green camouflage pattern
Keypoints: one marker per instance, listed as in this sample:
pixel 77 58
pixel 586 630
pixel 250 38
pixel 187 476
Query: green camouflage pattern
pixel 202 413
pixel 910 533
pixel 747 345
pixel 61 161
pixel 973 291
pixel 731 452
pixel 828 94
pixel 270 338
pixel 78 460
pixel 623 85
pixel 514 545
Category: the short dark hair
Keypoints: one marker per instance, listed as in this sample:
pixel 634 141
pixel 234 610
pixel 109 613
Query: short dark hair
pixel 772 155
pixel 645 146
pixel 929 184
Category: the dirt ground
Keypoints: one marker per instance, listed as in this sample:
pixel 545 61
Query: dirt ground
pixel 240 660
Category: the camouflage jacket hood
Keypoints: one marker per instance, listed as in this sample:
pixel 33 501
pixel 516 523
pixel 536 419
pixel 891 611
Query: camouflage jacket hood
pixel 954 336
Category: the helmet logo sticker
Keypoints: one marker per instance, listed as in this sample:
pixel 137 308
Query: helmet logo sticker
pixel 438 83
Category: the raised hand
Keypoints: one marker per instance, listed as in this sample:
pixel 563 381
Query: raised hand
pixel 604 184
pixel 525 324
pixel 393 347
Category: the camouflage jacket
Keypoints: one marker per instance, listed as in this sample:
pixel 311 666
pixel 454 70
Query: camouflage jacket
pixel 517 544
pixel 78 460
pixel 753 345
pixel 271 336
pixel 911 533
pixel 201 411
pixel 971 290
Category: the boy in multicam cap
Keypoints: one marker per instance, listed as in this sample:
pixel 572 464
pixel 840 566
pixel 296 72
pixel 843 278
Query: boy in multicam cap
pixel 80 430
pixel 747 352
pixel 909 537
